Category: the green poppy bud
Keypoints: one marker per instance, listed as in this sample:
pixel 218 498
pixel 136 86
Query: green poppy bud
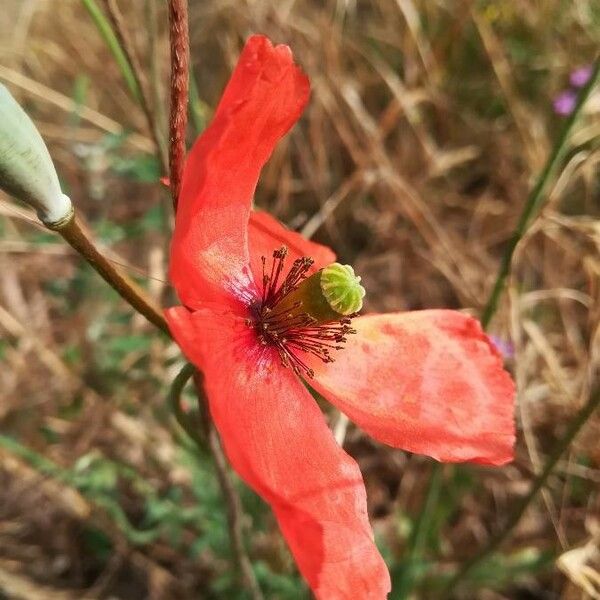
pixel 26 169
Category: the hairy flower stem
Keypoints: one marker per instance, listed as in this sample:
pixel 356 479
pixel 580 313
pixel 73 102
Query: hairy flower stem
pixel 180 81
pixel 75 235
pixel 536 197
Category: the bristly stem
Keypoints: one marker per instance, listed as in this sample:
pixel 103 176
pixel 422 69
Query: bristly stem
pixel 180 49
pixel 76 236
pixel 536 197
pixel 180 81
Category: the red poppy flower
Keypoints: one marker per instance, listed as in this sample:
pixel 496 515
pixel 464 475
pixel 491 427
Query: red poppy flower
pixel 427 381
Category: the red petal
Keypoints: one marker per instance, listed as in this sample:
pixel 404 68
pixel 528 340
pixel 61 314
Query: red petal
pixel 263 99
pixel 266 234
pixel 277 440
pixel 429 382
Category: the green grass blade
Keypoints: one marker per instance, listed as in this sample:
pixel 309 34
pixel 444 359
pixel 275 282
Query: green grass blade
pixel 534 201
pixel 106 31
pixel 494 543
pixel 532 205
pixel 536 198
pixel 418 538
pixel 197 109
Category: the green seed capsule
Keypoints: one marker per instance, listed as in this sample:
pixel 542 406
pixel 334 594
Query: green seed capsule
pixel 341 288
pixel 326 296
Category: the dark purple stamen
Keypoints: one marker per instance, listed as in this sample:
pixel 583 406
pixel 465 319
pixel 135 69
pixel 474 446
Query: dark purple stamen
pixel 289 328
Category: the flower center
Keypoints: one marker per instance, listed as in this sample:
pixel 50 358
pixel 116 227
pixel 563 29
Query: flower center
pixel 298 314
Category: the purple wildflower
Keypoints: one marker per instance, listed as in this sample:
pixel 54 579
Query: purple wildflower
pixel 505 347
pixel 579 77
pixel 565 102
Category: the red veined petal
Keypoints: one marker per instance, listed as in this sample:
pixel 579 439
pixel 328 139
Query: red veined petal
pixel 277 440
pixel 263 99
pixel 428 382
pixel 265 234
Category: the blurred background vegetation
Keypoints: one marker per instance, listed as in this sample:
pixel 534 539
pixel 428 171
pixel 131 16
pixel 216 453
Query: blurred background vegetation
pixel 428 122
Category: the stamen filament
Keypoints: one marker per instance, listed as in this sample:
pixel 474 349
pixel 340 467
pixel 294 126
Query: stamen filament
pixel 293 315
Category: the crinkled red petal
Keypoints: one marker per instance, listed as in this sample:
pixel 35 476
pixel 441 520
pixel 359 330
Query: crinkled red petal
pixel 263 99
pixel 277 440
pixel 428 382
pixel 265 234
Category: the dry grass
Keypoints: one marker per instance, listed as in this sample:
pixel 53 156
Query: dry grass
pixel 427 124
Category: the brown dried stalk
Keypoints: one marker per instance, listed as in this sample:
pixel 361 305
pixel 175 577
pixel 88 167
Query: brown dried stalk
pixel 179 38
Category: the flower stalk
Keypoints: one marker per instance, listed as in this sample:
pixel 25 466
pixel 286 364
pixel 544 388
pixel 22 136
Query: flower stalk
pixel 174 399
pixel 72 231
pixel 180 60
